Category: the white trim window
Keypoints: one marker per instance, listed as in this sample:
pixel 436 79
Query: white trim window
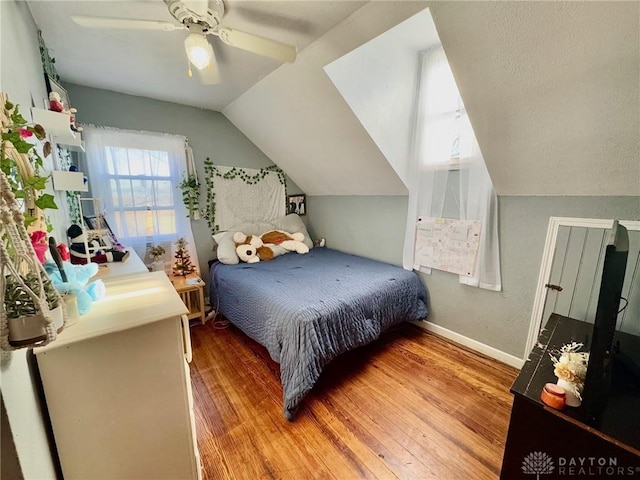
pixel 142 192
pixel 136 177
pixel 449 177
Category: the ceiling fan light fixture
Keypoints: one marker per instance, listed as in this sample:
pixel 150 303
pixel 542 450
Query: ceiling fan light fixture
pixel 199 50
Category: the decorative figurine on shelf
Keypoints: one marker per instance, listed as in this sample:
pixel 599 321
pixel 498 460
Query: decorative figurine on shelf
pixel 182 266
pixel 74 127
pixel 57 105
pixel 55 102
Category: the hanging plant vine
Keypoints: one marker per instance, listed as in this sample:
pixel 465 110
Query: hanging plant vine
pixel 73 202
pixel 212 172
pixel 190 187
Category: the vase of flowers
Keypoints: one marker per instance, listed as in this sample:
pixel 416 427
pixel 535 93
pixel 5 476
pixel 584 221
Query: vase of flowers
pixel 156 252
pixel 570 366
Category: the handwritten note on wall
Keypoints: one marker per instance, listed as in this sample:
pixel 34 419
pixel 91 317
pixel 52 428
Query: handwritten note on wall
pixel 447 244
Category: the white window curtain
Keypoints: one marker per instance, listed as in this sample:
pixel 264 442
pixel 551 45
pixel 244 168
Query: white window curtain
pixel 449 177
pixel 136 177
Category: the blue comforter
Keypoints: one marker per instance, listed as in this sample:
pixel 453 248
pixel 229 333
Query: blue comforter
pixel 308 309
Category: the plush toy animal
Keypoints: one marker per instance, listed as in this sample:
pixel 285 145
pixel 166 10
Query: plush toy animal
pixel 250 248
pixel 290 242
pixel 77 283
pixel 96 255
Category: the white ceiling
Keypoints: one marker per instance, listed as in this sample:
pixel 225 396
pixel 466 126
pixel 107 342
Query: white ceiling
pixel 153 63
pixel 552 90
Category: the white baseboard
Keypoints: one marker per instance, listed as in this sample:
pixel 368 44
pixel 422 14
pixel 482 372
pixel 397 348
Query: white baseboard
pixel 472 344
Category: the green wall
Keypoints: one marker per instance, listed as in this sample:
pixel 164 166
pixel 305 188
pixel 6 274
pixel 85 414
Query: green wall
pixel 25 451
pixel 374 227
pixel 210 134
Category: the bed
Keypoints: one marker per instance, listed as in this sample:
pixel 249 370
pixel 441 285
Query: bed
pixel 308 309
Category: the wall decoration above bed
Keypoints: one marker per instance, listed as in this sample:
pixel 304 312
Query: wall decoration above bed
pixel 236 195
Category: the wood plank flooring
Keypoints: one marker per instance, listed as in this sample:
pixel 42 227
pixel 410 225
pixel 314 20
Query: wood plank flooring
pixel 409 406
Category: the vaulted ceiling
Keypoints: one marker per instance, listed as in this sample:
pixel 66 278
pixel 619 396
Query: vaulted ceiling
pixel 552 88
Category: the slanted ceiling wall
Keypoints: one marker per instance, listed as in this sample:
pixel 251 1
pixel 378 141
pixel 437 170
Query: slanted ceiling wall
pixel 552 90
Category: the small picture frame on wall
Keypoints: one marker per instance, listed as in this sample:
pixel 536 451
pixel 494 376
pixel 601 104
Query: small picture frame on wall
pixel 297 204
pixel 53 86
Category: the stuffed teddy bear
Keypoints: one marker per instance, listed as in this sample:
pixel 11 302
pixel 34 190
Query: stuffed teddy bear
pixel 95 254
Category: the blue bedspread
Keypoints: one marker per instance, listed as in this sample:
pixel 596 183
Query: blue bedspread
pixel 307 309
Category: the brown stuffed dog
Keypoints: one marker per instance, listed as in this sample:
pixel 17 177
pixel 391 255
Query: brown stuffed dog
pixel 290 242
pixel 252 249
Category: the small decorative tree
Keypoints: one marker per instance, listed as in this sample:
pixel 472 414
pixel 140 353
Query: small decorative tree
pixel 182 266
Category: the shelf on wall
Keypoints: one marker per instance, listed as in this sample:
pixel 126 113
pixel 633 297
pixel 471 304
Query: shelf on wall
pixel 58 125
pixel 70 181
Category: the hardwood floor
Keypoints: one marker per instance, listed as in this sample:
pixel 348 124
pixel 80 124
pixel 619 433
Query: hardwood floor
pixel 409 406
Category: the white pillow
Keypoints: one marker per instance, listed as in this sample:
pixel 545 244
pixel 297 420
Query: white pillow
pixel 292 223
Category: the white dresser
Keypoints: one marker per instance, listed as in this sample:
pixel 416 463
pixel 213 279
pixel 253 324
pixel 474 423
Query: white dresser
pixel 117 385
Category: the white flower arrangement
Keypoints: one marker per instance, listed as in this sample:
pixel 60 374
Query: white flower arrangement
pixel 571 365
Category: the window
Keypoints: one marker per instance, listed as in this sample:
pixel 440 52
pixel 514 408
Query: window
pixel 142 192
pixel 446 133
pixel 451 178
pixel 136 177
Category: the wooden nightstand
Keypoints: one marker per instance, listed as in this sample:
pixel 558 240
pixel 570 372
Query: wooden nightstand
pixel 191 293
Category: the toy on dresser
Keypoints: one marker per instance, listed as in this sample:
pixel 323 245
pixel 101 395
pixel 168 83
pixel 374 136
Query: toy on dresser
pixel 95 254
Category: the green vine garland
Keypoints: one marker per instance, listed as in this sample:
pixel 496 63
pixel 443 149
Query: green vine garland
pixel 72 197
pixel 211 172
pixel 48 62
pixel 190 188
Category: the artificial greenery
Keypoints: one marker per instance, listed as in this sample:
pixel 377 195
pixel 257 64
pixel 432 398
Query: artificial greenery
pixel 15 153
pixel 211 172
pixel 190 187
pixel 19 303
pixel 73 202
pixel 156 251
pixel 48 62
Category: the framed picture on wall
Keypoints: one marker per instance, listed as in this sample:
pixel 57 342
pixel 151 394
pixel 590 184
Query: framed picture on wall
pixel 297 204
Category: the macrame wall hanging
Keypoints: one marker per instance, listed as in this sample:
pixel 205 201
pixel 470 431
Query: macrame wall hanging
pixel 32 312
pixel 236 195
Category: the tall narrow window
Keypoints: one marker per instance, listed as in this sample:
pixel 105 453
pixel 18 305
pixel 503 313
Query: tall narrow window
pixel 136 176
pixel 450 177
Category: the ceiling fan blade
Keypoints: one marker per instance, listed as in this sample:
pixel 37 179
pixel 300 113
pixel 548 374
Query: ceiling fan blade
pixel 210 75
pixel 255 44
pixel 125 23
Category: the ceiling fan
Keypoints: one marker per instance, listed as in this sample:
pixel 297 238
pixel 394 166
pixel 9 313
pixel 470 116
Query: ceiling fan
pixel 200 20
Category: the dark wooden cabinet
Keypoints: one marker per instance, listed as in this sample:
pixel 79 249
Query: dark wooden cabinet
pixel 549 444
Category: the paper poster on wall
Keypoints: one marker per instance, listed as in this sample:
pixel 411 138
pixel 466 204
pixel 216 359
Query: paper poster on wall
pixel 447 244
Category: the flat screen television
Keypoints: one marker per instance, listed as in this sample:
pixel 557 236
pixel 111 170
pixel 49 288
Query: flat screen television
pixel 599 370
